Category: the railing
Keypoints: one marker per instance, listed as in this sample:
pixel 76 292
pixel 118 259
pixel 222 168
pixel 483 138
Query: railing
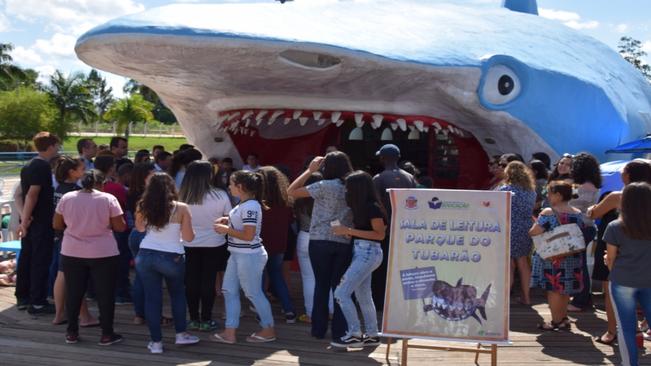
pixel 143 129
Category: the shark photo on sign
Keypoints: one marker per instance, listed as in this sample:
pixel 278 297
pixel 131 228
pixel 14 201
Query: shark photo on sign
pixel 286 80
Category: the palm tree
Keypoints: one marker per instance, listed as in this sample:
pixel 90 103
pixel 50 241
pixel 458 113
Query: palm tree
pixel 133 108
pixel 9 73
pixel 72 99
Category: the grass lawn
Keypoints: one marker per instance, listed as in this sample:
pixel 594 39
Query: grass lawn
pixel 135 143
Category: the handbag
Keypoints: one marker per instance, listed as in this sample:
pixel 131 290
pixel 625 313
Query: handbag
pixel 561 241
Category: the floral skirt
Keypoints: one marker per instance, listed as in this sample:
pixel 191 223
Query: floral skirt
pixel 563 275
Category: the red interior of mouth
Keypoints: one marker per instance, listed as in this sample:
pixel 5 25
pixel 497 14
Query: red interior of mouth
pixel 452 157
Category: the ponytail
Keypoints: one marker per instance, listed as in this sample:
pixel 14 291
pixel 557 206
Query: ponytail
pixel 92 179
pixel 252 183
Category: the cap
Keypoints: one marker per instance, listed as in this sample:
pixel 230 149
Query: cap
pixel 388 150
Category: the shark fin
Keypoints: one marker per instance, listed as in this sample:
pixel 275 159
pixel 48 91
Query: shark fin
pixel 474 315
pixel 522 6
pixel 484 296
pixel 482 311
pixel 459 282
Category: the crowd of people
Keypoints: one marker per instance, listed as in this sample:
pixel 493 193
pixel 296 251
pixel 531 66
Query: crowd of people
pixel 208 230
pixel 546 197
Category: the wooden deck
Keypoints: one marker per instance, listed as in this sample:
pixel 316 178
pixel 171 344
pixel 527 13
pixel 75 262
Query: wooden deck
pixel 34 341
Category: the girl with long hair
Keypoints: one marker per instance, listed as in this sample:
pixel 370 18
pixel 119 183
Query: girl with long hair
pixel 519 180
pixel 607 210
pixel 247 258
pixel 89 251
pixel 330 253
pixel 167 222
pixel 207 252
pixel 275 228
pixel 561 277
pixel 628 256
pixel 368 230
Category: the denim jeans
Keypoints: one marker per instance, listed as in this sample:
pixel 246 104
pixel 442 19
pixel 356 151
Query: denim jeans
pixel 123 289
pixel 367 256
pixel 330 261
pixel 137 290
pixel 153 266
pixel 244 271
pixel 277 280
pixel 307 273
pixel 624 302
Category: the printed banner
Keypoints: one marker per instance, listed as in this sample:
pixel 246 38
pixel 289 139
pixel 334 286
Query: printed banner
pixel 448 270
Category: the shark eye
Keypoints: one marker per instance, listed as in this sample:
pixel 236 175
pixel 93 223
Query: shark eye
pixel 501 85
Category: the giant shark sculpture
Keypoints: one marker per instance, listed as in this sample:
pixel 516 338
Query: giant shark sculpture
pixel 280 78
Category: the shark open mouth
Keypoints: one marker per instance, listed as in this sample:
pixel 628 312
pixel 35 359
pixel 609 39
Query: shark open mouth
pixel 446 153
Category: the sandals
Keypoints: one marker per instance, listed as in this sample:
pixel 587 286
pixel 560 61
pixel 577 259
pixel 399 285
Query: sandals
pixel 254 338
pixel 601 340
pixel 564 324
pixel 219 339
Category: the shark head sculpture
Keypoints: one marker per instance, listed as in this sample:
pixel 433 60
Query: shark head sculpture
pixel 283 79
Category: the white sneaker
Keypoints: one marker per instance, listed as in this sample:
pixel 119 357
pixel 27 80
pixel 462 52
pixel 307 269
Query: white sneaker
pixel 186 338
pixel 155 347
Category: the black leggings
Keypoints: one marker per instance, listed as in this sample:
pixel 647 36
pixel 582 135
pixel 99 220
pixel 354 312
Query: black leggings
pixel 200 275
pixel 103 272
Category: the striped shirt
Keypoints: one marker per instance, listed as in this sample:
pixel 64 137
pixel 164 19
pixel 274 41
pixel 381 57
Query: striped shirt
pixel 246 213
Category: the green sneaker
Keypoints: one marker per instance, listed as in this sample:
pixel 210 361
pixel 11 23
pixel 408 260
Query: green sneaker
pixel 194 325
pixel 208 326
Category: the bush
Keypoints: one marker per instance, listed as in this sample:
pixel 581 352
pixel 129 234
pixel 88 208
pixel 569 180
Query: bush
pixel 24 112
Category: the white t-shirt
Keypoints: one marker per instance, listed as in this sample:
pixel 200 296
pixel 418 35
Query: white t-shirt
pixel 215 205
pixel 246 213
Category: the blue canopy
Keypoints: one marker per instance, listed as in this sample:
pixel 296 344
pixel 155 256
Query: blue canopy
pixel 633 147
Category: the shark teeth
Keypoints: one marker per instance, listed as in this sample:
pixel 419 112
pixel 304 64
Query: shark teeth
pixel 359 119
pixel 402 123
pixel 259 117
pixel 233 116
pixel 302 121
pixel 316 115
pixel 297 114
pixel 221 119
pixel 339 123
pixel 394 126
pixel 334 117
pixel 321 122
pixel 247 114
pixel 377 121
pixel 419 125
pixel 274 117
pixel 286 121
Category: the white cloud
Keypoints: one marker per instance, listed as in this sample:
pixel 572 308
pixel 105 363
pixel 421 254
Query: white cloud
pixel 622 28
pixel 74 11
pixel 570 19
pixel 5 24
pixel 59 45
pixel 26 56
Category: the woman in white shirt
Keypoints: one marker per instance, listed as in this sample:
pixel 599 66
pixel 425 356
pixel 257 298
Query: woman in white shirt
pixel 167 222
pixel 208 249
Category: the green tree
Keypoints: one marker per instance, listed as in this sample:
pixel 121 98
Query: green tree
pixel 10 74
pixel 160 111
pixel 25 111
pixel 631 50
pixel 101 92
pixel 133 108
pixel 72 99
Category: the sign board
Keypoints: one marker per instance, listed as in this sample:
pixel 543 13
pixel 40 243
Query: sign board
pixel 448 269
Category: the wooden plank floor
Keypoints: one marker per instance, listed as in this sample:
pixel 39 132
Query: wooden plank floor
pixel 34 341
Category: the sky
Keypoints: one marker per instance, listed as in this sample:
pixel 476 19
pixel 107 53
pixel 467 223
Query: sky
pixel 44 32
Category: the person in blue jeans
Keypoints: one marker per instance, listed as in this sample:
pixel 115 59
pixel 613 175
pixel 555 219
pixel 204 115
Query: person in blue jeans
pixel 247 258
pixel 628 254
pixel 330 254
pixel 161 256
pixel 368 231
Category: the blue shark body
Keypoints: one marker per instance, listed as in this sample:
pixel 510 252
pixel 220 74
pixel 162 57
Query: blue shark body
pixel 517 82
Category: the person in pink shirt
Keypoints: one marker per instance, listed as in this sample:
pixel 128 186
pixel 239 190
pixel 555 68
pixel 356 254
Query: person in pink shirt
pixel 89 250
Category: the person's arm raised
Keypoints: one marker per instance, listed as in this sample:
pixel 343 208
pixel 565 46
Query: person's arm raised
pixel 296 189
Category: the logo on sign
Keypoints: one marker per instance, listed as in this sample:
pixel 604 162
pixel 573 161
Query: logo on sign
pixel 411 203
pixel 435 203
pixel 486 203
